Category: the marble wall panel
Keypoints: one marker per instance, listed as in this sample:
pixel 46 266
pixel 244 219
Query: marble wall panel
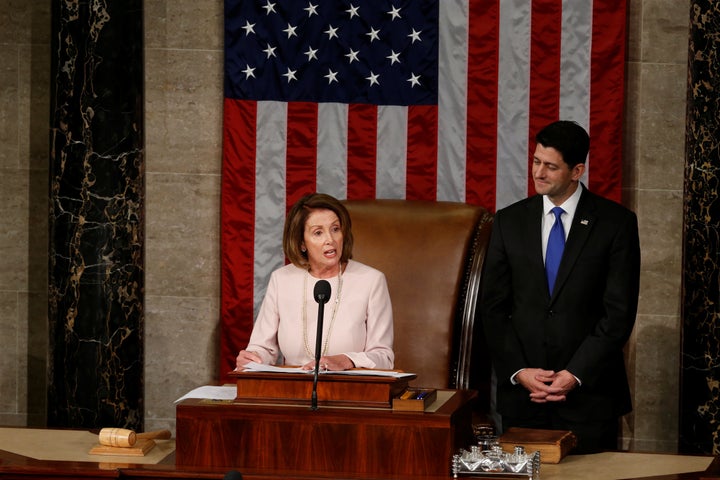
pixel 97 195
pixel 657 389
pixel 33 348
pixel 664 30
pixel 653 173
pixel 182 341
pixel 184 24
pixel 9 58
pixel 660 224
pixel 24 22
pixel 9 353
pixel 700 403
pixel 654 344
pixel 24 106
pixel 15 229
pixel 33 107
pixel 183 235
pixel 661 127
pixel 184 111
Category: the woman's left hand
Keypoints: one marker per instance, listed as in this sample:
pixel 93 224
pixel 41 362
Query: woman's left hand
pixel 331 362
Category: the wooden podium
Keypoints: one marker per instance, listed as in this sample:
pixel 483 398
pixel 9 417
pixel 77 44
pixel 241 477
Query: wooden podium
pixel 332 389
pixel 271 434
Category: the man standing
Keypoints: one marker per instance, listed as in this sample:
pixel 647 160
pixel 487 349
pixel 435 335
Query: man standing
pixel 559 299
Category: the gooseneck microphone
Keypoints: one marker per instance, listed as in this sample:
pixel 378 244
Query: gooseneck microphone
pixel 322 295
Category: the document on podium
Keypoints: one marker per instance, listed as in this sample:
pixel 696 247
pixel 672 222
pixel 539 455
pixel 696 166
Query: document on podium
pixel 211 392
pixel 259 367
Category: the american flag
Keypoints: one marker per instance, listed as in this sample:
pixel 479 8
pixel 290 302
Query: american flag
pixel 415 99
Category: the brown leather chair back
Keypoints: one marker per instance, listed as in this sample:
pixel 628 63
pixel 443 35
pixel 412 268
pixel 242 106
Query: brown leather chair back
pixel 431 254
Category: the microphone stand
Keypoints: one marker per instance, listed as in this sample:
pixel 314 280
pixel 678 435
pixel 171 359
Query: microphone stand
pixel 322 295
pixel 318 346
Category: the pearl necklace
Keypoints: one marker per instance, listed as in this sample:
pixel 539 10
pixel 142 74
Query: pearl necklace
pixel 332 319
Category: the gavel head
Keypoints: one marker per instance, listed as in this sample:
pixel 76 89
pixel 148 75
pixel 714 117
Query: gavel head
pixel 117 437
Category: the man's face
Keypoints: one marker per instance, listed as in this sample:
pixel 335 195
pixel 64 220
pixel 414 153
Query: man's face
pixel 552 176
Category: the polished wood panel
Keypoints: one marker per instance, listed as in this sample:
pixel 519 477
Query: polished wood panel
pixel 332 389
pixel 18 467
pixel 336 441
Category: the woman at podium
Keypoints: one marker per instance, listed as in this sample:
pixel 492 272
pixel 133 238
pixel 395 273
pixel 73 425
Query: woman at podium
pixel 357 317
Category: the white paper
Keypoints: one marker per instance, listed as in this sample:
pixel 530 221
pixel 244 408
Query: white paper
pixel 210 392
pixel 259 367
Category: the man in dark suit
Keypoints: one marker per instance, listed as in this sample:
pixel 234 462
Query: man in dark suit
pixel 558 351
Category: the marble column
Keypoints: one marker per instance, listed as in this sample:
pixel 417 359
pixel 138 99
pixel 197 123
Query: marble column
pixel 96 258
pixel 700 395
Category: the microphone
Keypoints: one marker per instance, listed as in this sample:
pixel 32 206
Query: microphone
pixel 233 475
pixel 322 295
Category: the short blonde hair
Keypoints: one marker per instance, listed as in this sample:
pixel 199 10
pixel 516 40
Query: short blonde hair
pixel 294 231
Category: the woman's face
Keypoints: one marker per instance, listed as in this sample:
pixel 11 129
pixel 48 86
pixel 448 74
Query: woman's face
pixel 323 241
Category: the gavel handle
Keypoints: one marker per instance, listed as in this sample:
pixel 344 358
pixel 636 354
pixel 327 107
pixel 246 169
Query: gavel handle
pixel 155 434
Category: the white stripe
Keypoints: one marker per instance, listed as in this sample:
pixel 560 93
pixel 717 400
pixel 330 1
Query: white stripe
pixel 513 102
pixel 391 165
pixel 332 149
pixel 575 56
pixel 452 99
pixel 271 137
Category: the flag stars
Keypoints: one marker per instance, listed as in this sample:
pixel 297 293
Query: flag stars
pixel 393 57
pixel 373 79
pixel 290 75
pixel 249 72
pixel 394 13
pixel 311 9
pixel 311 53
pixel 414 80
pixel 269 8
pixel 331 32
pixel 290 31
pixel 353 11
pixel 352 56
pixel 373 34
pixel 249 28
pixel 331 76
pixel 415 36
pixel 269 51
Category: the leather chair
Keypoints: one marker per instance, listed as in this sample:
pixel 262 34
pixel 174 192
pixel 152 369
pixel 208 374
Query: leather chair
pixel 431 254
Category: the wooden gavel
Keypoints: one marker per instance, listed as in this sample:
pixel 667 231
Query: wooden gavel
pixel 123 437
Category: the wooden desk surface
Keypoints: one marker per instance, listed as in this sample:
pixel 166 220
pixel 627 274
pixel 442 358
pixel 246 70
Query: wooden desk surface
pixel 72 445
pixel 622 465
pixel 42 463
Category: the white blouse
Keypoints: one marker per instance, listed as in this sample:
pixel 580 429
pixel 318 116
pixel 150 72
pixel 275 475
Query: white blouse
pixel 359 324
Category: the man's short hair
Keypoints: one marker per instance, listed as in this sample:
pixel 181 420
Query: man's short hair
pixel 568 138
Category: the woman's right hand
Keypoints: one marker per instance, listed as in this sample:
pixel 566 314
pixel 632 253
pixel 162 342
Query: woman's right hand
pixel 244 357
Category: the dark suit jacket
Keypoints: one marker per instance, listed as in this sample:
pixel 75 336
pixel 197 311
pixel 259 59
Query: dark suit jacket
pixel 583 326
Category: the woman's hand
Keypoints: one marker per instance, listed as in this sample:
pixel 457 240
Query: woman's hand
pixel 332 362
pixel 245 357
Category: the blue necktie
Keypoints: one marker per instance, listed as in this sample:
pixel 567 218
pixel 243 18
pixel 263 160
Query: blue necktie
pixel 555 247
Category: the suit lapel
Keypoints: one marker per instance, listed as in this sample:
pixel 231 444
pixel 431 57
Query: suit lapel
pixel 583 223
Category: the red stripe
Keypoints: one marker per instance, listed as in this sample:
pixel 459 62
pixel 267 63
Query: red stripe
pixel 362 151
pixel 301 153
pixel 545 39
pixel 607 80
pixel 422 152
pixel 237 230
pixel 482 91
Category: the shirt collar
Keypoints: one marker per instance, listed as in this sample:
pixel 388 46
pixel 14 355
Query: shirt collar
pixel 569 205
